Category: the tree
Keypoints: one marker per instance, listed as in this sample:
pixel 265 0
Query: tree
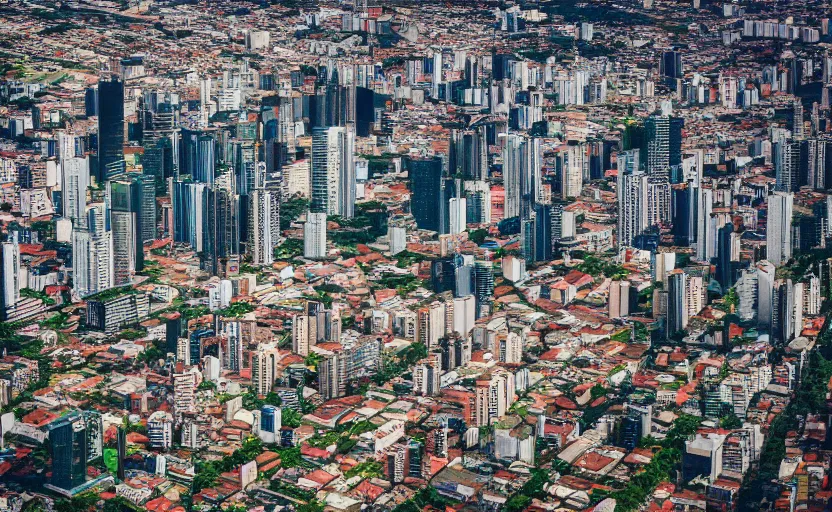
pixel 205 477
pixel 367 469
pixel 312 360
pixel 478 236
pixel 597 391
pixel 730 422
pixel 118 504
pixel 207 384
pixel 290 417
pixel 80 503
pixel 252 447
pixel 151 354
pixel 290 458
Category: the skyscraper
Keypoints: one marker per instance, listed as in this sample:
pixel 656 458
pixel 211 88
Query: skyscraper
pixel 333 171
pixel 270 423
pixel 468 154
pixel 510 348
pixel 677 302
pixel 304 333
pixel 779 227
pixel 813 152
pixel 92 261
pixel 797 119
pixel 187 205
pixel 9 276
pixel 264 368
pixel 458 211
pixel 704 231
pixel 204 170
pixel 314 235
pixel 264 221
pixel 725 249
pixel 787 165
pixel 787 311
pixel 128 252
pixel 68 443
pixel 765 292
pixel 483 276
pixel 663 143
pixel 543 233
pixel 632 198
pixel 76 179
pixel 670 65
pixel 426 378
pixel 332 376
pixel 160 139
pixel 683 213
pixel 521 174
pixel 111 128
pixel 658 200
pixel 220 226
pixel 428 197
pixel 144 196
pixel 574 167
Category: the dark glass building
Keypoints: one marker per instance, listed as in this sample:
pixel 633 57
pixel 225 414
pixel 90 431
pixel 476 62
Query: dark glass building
pixel 543 240
pixel 173 329
pixel 428 201
pixel 125 203
pixel 724 272
pixel 220 229
pixel 111 128
pixel 68 443
pixel 442 275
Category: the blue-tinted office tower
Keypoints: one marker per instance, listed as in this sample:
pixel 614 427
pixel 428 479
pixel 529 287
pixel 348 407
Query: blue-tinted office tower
pixel 195 345
pixel 160 113
pixel 683 214
pixel 205 159
pixel 270 424
pixel 68 443
pixel 671 64
pixel 364 111
pixel 543 242
pixel 144 197
pixel 414 455
pixel 430 196
pixel 630 432
pixel 267 414
pixel 724 272
pixel 91 102
pixel 443 275
pixel 111 128
pixel 173 329
pixel 187 202
pixel 220 228
pixel 197 156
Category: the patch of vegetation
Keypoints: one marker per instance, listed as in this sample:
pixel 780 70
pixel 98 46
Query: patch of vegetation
pixel 236 310
pixel 406 258
pixel 42 296
pixel 367 469
pixel 207 472
pixel 478 236
pixel 595 266
pixel 291 210
pixel 395 367
pixel 289 249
